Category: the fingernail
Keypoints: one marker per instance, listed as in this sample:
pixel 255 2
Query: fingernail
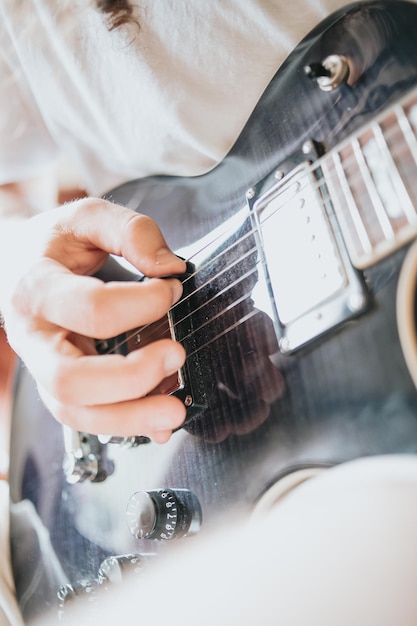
pixel 165 256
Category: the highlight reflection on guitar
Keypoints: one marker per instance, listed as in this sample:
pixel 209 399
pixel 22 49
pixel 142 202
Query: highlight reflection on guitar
pixel 301 346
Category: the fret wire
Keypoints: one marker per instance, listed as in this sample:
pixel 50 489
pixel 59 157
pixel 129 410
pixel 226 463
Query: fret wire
pixel 407 130
pixel 379 208
pixel 349 199
pixel 395 175
pixel 361 231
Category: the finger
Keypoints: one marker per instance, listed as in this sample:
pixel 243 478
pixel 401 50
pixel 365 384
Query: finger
pixel 154 417
pixel 76 379
pixel 92 380
pixel 86 305
pixel 119 231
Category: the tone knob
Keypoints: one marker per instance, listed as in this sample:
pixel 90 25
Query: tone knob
pixel 163 514
pixel 114 568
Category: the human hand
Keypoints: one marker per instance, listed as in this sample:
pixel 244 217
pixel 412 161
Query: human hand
pixel 53 307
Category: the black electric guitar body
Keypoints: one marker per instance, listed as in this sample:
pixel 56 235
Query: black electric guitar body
pixel 297 317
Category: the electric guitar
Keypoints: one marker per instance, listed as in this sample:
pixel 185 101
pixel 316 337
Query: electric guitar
pixel 298 317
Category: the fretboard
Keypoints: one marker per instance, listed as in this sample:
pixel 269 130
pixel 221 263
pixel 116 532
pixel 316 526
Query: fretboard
pixel 372 181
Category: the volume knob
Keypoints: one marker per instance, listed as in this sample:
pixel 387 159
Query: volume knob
pixel 163 514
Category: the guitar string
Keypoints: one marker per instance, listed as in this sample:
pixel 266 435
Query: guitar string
pixel 317 184
pixel 347 162
pixel 162 326
pixel 227 330
pixel 216 276
pixel 397 151
pixel 204 267
pixel 192 294
pixel 213 298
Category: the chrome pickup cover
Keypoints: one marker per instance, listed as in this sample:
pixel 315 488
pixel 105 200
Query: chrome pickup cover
pixel 312 284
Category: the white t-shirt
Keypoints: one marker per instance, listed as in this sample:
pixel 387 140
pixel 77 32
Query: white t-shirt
pixel 170 98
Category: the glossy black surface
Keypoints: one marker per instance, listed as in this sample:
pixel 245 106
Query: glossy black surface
pixel 342 397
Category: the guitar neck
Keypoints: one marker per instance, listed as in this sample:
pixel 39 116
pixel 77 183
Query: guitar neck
pixel 372 182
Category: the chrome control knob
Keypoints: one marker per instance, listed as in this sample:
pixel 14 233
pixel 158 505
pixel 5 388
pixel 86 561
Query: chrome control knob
pixel 163 514
pixel 114 568
pixel 113 571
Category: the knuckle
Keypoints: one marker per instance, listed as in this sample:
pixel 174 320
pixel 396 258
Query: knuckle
pixel 79 208
pixel 97 316
pixel 138 223
pixel 76 418
pixel 140 232
pixel 60 385
pixel 63 414
pixel 23 297
pixel 18 298
pixel 74 214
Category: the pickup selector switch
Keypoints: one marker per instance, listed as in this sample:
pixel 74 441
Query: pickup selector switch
pixel 163 514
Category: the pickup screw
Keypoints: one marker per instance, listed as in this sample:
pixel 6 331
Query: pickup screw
pixel 250 193
pixel 188 400
pixel 356 302
pixel 284 344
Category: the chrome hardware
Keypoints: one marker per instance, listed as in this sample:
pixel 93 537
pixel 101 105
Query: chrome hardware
pixel 329 74
pixel 163 514
pixel 307 147
pixel 356 302
pixel 114 568
pixel 188 400
pixel 85 458
pixel 312 283
pixel 113 571
pixel 124 442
